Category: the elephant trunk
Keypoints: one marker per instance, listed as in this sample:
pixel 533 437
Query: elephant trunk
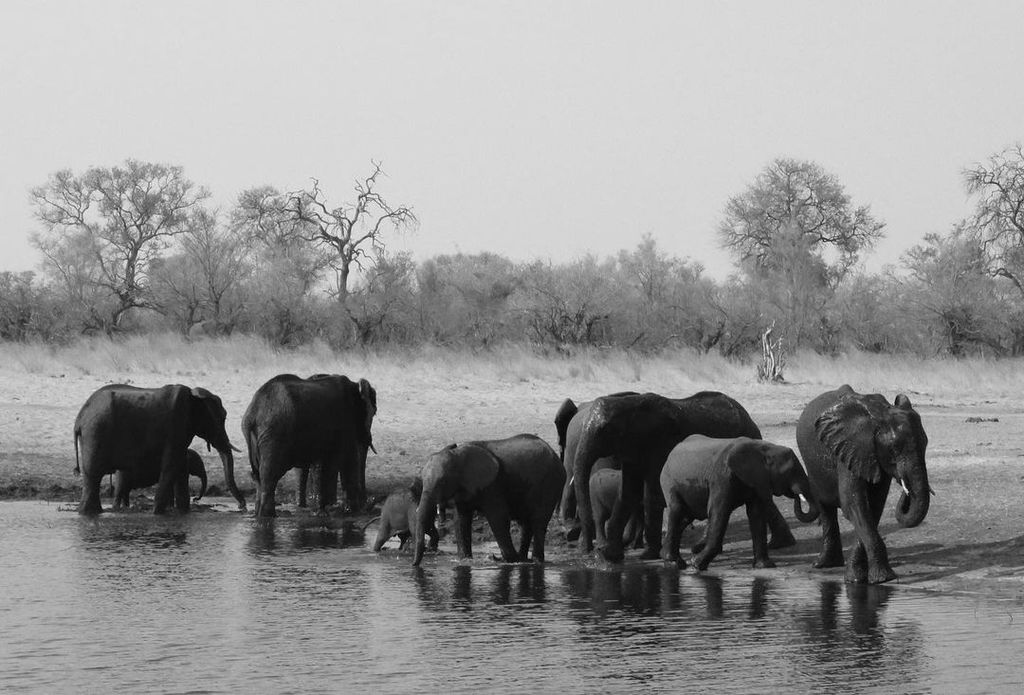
pixel 803 489
pixel 228 460
pixel 915 497
pixel 425 512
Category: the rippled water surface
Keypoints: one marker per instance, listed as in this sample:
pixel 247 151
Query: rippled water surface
pixel 218 602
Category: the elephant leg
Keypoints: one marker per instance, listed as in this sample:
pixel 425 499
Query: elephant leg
pixel 678 519
pixel 328 483
pixel 756 513
pixel 782 536
pixel 182 501
pixel 869 561
pixel 499 521
pixel 383 534
pixel 266 504
pixel 464 530
pixel 403 540
pixel 90 503
pixel 525 538
pixel 718 522
pixel 122 491
pixel 303 483
pixel 540 531
pixel 434 536
pixel 164 496
pixel 630 497
pixel 653 511
pixel 831 554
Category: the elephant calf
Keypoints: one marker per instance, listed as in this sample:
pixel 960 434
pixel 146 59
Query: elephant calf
pixel 605 490
pixel 515 479
pixel 705 478
pixel 127 480
pixel 398 517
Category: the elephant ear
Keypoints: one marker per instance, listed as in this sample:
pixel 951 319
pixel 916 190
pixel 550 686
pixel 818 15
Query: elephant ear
pixel 746 461
pixel 847 430
pixel 902 402
pixel 478 468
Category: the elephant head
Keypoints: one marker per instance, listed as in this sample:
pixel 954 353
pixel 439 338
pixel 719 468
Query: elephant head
pixel 773 470
pixel 565 413
pixel 207 422
pixel 458 473
pixel 872 438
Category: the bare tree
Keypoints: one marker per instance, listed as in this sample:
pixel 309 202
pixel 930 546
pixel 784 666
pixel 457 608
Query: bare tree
pixel 998 188
pixel 110 223
pixel 352 232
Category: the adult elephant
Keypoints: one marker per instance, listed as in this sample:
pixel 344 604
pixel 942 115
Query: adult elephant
pixel 705 478
pixel 321 421
pixel 639 431
pixel 853 446
pixel 146 432
pixel 711 413
pixel 125 481
pixel 515 479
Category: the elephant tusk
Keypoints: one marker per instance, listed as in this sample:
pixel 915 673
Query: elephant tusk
pixel 374 450
pixel 906 491
pixel 930 491
pixel 235 448
pixel 803 499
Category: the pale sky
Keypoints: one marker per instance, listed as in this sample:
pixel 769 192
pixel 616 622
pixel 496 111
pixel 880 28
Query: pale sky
pixel 530 129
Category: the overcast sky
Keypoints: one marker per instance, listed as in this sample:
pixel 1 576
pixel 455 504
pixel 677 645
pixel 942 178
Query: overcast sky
pixel 531 129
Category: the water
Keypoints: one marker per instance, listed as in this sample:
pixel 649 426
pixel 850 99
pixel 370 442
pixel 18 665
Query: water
pixel 218 602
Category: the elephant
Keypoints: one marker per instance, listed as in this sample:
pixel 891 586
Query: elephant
pixel 705 478
pixel 605 484
pixel 853 446
pixel 127 481
pixel 322 421
pixel 515 479
pixel 398 517
pixel 146 432
pixel 711 413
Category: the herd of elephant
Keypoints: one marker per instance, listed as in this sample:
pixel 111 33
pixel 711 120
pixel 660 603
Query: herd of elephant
pixel 624 460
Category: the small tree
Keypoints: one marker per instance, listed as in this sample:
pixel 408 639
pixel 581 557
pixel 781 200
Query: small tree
pixel 998 189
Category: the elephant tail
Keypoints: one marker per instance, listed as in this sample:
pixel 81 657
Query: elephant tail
pixel 254 452
pixel 78 435
pixel 371 522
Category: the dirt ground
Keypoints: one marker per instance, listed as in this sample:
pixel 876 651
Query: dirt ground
pixel 972 540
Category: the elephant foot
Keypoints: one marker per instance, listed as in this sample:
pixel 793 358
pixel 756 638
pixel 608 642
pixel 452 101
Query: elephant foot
pixel 782 540
pixel 763 564
pixel 880 575
pixel 612 553
pixel 675 558
pixel 650 553
pixel 829 559
pixel 573 534
pixel 701 561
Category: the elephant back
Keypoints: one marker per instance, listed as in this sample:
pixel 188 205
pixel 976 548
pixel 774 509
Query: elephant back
pixel 715 414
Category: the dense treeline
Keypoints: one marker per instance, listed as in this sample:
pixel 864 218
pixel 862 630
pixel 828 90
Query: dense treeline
pixel 137 247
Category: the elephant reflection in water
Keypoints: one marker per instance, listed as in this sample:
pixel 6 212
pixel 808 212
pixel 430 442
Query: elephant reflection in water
pixel 442 591
pixel 642 590
pixel 856 636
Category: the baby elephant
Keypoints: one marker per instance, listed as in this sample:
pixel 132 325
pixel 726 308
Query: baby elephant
pixel 707 478
pixel 605 489
pixel 398 517
pixel 127 480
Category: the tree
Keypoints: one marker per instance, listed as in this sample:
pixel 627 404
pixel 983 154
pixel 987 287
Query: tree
pixel 998 188
pixel 950 284
pixel 568 304
pixel 795 231
pixel 104 229
pixel 351 231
